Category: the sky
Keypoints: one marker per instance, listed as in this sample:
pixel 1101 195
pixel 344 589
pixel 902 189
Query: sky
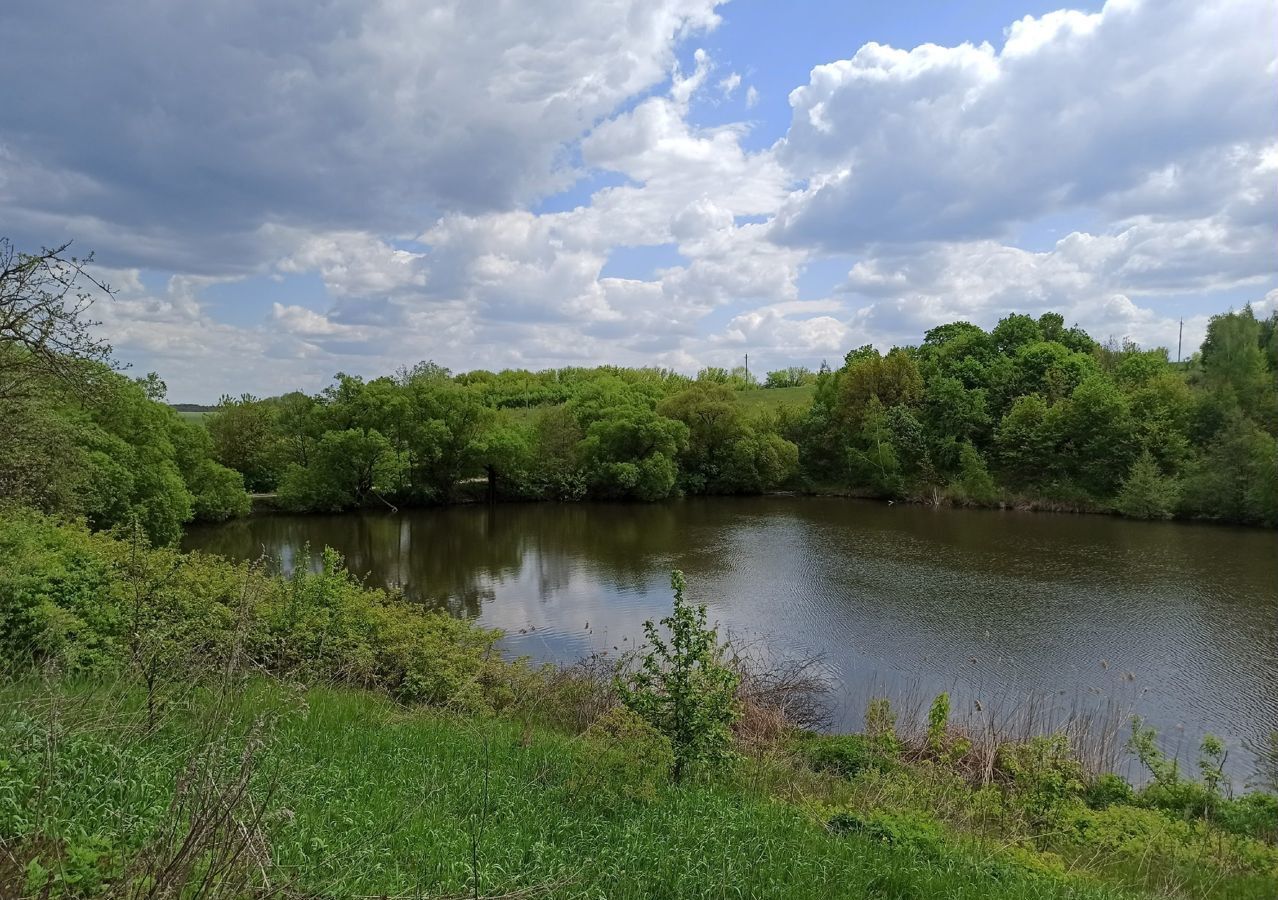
pixel 282 191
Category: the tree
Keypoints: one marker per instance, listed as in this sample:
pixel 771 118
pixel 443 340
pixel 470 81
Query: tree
pixel 1234 358
pixel 45 329
pixel 974 484
pixel 348 469
pixel 1236 477
pixel 1097 436
pixel 893 379
pixel 1026 442
pixel 1146 492
pixel 715 425
pixel 556 436
pixel 1016 331
pixel 682 687
pixel 792 376
pixel 245 437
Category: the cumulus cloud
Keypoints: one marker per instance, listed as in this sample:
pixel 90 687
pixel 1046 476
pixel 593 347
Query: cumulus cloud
pixel 1113 110
pixel 150 130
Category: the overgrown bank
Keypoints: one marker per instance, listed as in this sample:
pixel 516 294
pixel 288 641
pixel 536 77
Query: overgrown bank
pixel 300 733
pixel 1029 414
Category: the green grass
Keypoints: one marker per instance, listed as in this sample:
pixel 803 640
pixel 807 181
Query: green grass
pixel 771 398
pixel 192 415
pixel 372 799
pixel 752 401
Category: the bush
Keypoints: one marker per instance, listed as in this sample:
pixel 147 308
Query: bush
pixel 1044 774
pixel 682 687
pixel 1107 790
pixel 1146 493
pixel 627 755
pixel 98 603
pixel 1254 815
pixel 846 755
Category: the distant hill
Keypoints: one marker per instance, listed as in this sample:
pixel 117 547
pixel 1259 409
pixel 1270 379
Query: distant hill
pixel 192 407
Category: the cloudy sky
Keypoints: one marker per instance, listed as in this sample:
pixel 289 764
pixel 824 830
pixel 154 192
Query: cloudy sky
pixel 280 191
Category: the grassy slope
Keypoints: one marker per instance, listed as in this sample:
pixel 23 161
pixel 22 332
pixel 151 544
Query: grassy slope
pixel 770 398
pixel 752 402
pixel 375 800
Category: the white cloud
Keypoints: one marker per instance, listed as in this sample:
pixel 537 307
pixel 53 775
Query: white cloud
pixel 150 133
pixel 1076 111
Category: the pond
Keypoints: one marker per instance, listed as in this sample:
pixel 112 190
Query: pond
pixel 1175 621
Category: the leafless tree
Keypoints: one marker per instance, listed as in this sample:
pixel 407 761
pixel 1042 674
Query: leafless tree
pixel 45 326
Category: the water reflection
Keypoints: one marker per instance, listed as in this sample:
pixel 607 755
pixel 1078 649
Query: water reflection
pixel 1177 620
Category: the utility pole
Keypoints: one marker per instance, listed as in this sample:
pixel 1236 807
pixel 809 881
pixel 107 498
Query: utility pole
pixel 747 367
pixel 1180 340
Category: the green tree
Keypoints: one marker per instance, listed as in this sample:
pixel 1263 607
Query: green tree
pixel 348 469
pixel 1016 331
pixel 1026 442
pixel 1146 493
pixel 974 483
pixel 682 687
pixel 245 438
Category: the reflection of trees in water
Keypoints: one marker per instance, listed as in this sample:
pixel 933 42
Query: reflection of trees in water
pixel 454 558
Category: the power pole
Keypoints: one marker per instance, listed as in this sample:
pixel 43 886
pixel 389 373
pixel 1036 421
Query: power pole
pixel 1180 340
pixel 747 367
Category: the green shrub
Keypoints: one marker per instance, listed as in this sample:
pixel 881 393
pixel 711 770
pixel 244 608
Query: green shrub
pixel 915 830
pixel 1044 774
pixel 880 726
pixel 1107 790
pixel 98 603
pixel 1254 815
pixel 846 755
pixel 938 720
pixel 682 687
pixel 1146 492
pixel 627 755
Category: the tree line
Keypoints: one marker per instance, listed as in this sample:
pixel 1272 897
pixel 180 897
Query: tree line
pixel 1029 413
pixel 1034 412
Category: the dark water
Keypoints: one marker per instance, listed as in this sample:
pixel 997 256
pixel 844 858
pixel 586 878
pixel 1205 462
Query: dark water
pixel 1177 621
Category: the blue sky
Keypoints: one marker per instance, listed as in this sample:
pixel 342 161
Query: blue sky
pixel 280 192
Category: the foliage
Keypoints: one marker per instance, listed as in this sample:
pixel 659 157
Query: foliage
pixel 1146 493
pixel 631 757
pixel 1035 411
pixel 45 330
pixel 682 688
pixel 1044 774
pixel 95 604
pixel 1029 411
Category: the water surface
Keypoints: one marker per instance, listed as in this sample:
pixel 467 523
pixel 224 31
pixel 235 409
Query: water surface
pixel 1177 621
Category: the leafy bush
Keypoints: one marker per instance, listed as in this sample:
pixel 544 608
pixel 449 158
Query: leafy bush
pixel 1044 774
pixel 1108 789
pixel 846 755
pixel 682 687
pixel 95 603
pixel 1146 493
pixel 627 755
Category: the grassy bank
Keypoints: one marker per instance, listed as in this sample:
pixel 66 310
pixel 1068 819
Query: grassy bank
pixel 176 725
pixel 351 795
